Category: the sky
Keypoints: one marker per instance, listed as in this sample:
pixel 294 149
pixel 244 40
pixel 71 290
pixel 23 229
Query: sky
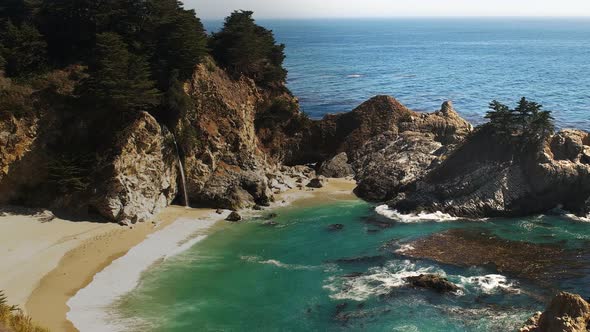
pixel 214 9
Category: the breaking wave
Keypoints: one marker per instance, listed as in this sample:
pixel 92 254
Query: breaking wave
pixel 383 280
pixel 437 216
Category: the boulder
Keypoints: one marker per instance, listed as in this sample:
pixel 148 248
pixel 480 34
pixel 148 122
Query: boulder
pixel 234 217
pixel 432 281
pixel 566 313
pixel 316 183
pixel 337 167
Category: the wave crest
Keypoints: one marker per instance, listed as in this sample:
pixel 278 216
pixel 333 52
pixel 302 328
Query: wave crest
pixel 437 216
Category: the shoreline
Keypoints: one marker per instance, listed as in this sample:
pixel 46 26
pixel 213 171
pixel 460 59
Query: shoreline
pixel 93 248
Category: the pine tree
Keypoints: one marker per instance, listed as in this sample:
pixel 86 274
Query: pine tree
pixel 245 48
pixel 23 49
pixel 119 79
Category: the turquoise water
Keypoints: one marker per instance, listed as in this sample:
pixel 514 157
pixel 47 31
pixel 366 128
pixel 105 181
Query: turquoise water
pixel 334 65
pixel 251 277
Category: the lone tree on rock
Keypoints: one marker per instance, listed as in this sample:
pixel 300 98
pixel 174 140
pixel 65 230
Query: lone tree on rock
pixel 527 120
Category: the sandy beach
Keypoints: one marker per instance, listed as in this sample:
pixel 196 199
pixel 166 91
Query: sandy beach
pixel 45 264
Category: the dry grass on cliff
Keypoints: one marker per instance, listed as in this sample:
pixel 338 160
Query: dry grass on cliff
pixel 13 319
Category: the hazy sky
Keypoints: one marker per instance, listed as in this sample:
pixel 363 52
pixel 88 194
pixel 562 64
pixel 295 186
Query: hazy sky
pixel 390 8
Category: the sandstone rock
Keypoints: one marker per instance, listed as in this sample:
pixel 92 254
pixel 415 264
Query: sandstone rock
pixel 432 281
pixel 566 313
pixel 337 167
pixel 234 217
pixel 316 183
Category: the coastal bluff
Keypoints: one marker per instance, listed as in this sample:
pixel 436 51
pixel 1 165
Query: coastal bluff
pixel 241 144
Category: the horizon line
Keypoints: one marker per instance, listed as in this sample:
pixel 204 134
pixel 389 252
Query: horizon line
pixel 586 17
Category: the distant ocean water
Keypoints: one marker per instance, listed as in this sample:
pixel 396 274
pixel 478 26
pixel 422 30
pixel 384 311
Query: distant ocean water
pixel 334 65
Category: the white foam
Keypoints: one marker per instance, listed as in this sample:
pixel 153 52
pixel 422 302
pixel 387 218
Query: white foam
pixel 377 281
pixel 91 307
pixel 574 217
pixel 490 283
pixel 437 216
pixel 257 259
pixel 405 248
pixel 354 76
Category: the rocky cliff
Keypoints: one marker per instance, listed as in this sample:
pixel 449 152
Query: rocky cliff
pixel 488 177
pixel 241 144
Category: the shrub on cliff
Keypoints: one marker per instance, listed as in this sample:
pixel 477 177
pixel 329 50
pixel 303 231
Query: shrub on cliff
pixel 243 47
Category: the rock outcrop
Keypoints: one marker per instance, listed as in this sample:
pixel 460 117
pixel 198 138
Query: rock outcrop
pixel 137 180
pixel 337 167
pixel 413 145
pixel 566 313
pixel 432 281
pixel 487 177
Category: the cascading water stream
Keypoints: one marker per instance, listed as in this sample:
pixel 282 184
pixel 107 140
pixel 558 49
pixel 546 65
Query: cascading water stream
pixel 181 167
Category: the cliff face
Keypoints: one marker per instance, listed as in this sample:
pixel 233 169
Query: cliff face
pixel 225 166
pixel 488 178
pixel 137 178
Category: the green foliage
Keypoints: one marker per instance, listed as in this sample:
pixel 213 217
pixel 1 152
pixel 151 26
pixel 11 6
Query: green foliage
pixel 175 102
pixel 70 173
pixel 119 80
pixel 527 120
pixel 22 48
pixel 244 47
pixel 178 40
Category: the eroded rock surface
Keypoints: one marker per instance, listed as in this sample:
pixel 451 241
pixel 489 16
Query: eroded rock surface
pixel 486 177
pixel 137 181
pixel 566 313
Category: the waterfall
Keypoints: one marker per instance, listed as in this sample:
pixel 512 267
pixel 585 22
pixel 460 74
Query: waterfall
pixel 181 168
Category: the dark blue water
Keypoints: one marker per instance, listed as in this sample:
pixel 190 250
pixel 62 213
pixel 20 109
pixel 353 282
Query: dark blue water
pixel 334 65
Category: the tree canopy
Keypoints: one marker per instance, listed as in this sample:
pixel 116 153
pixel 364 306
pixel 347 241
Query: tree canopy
pixel 244 47
pixel 527 120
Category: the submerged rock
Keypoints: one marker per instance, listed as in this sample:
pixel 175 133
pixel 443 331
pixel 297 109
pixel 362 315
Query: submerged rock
pixel 432 281
pixel 234 217
pixel 467 248
pixel 566 313
pixel 335 227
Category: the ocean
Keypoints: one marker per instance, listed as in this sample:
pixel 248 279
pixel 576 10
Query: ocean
pixel 300 275
pixel 335 65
